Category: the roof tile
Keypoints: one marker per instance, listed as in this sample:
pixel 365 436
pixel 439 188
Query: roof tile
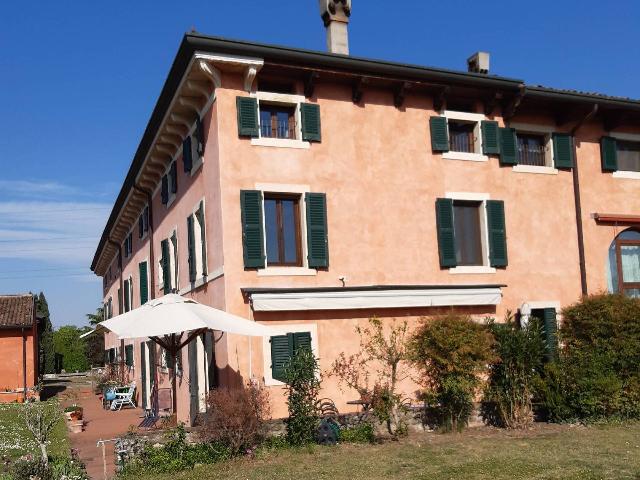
pixel 16 310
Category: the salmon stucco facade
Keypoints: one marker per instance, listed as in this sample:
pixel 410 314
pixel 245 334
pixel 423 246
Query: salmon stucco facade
pixel 19 347
pixel 312 191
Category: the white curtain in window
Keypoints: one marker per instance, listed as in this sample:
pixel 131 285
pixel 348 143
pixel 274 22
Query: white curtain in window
pixel 630 259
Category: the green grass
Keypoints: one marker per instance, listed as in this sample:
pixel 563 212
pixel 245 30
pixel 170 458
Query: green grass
pixel 15 439
pixel 548 452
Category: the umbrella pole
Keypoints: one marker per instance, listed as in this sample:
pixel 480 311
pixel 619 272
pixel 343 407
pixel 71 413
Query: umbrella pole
pixel 174 356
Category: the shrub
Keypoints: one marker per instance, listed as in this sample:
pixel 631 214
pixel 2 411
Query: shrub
pixel 451 352
pixel 175 455
pixel 302 385
pixel 236 416
pixel 362 433
pixel 596 375
pixel 385 355
pixel 30 469
pixel 512 376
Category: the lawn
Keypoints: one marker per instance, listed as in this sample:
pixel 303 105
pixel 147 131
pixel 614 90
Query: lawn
pixel 15 439
pixel 546 452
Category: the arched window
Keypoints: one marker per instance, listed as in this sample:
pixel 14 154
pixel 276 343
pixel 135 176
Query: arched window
pixel 624 263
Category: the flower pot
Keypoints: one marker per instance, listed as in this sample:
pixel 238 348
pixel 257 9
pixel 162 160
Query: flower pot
pixel 76 427
pixel 68 415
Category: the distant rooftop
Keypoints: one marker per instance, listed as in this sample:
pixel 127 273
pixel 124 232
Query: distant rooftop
pixel 16 311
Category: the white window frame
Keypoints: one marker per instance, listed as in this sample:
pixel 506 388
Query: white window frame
pixel 627 174
pixel 536 305
pixel 484 232
pixel 293 189
pixel 312 328
pixel 547 131
pixel 467 117
pixel 284 99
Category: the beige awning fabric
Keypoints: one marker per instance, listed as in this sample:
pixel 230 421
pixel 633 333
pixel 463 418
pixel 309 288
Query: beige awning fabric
pixel 173 314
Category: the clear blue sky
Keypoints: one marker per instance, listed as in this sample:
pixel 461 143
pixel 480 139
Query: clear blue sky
pixel 78 81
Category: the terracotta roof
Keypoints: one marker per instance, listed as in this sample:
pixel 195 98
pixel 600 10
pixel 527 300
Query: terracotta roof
pixel 16 310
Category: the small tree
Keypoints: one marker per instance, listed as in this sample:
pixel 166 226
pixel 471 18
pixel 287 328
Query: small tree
pixel 513 375
pixel 40 419
pixel 451 352
pixel 301 375
pixel 236 416
pixel 384 355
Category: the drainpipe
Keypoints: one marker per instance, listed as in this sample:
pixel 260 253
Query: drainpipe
pixel 577 201
pixel 152 276
pixel 24 365
pixel 119 247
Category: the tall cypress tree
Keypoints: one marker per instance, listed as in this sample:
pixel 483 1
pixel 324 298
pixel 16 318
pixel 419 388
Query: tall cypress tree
pixel 47 349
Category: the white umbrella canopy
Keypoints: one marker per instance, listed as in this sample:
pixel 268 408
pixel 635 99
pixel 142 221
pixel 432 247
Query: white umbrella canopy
pixel 173 314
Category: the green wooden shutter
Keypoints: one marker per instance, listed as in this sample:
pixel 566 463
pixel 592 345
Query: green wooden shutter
pixel 550 327
pixel 609 154
pixel 301 340
pixel 187 158
pixel 191 244
pixel 281 352
pixel 508 147
pixel 310 114
pixel 127 299
pixel 490 137
pixel 144 283
pixel 165 190
pixel 174 177
pixel 497 233
pixel 247 116
pixel 317 236
pixel 446 234
pixel 439 134
pixel 128 355
pixel 562 150
pixel 203 237
pixel 166 266
pixel 252 235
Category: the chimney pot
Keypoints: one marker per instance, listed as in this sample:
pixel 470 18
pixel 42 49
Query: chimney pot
pixel 335 15
pixel 478 63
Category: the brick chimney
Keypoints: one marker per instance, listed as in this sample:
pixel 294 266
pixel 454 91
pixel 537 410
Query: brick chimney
pixel 335 14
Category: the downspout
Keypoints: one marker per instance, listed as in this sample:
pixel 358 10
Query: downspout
pixel 152 276
pixel 24 365
pixel 119 247
pixel 577 201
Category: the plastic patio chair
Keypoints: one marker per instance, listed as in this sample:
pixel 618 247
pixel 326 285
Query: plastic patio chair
pixel 124 396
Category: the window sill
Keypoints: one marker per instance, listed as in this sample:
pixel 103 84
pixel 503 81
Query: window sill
pixel 471 157
pixel 535 169
pixel 287 271
pixel 626 174
pixel 280 142
pixel 471 270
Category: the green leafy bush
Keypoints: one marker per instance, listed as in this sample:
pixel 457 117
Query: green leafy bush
pixel 362 433
pixel 302 385
pixel 451 352
pixel 512 376
pixel 176 455
pixel 58 468
pixel 596 375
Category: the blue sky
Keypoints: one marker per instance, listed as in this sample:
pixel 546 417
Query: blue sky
pixel 78 81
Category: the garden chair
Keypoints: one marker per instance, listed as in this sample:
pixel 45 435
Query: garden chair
pixel 124 396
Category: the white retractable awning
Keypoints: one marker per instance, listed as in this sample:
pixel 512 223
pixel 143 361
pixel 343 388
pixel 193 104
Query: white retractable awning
pixel 375 297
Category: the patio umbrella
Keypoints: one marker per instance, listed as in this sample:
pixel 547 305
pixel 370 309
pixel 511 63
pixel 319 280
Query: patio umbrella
pixel 167 319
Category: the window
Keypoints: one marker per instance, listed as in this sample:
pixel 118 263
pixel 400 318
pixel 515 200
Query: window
pixel 628 156
pixel 282 227
pixel 144 283
pixel 128 245
pixel 468 233
pixel 461 136
pixel 128 294
pixel 277 121
pixel 168 271
pixel 624 264
pixel 197 244
pixel 128 355
pixel 283 347
pixel 532 149
pixel 471 233
pixel 111 356
pixel 143 222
